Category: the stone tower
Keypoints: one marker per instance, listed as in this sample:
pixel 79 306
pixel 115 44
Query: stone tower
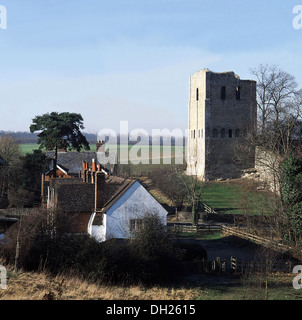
pixel 222 112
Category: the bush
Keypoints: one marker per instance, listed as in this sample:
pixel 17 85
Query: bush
pixel 149 258
pixel 191 251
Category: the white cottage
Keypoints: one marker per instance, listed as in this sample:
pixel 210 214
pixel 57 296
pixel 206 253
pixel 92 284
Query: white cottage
pixel 123 214
pixel 105 206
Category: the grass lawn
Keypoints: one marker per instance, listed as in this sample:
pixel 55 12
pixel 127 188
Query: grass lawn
pixel 232 197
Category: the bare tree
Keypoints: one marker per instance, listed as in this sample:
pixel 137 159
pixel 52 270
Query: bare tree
pixel 279 107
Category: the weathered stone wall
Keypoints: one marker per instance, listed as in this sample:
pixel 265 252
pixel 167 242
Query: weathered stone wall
pixel 218 120
pixel 267 167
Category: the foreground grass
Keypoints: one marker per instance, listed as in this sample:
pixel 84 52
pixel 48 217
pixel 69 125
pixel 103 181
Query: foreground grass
pixel 40 286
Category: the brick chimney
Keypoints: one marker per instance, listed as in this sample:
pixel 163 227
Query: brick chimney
pixel 99 191
pixel 93 165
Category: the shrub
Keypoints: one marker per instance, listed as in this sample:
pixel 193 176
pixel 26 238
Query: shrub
pixel 149 258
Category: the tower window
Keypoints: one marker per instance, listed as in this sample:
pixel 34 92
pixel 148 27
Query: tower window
pixel 238 93
pixel 223 93
pixel 237 133
pixel 230 133
pixel 215 133
pixel 197 94
pixel 222 133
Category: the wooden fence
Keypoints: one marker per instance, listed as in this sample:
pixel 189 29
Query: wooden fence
pixel 256 239
pixel 233 265
pixel 200 228
pixel 230 230
pixel 208 209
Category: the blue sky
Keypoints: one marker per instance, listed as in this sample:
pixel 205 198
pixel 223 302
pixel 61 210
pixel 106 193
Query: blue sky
pixel 117 60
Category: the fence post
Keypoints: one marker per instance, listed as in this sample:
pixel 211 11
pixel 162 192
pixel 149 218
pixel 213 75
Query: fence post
pixel 223 266
pixel 17 256
pixel 233 264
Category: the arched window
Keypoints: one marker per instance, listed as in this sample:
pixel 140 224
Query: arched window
pixel 197 94
pixel 230 133
pixel 215 133
pixel 223 93
pixel 237 133
pixel 238 89
pixel 222 133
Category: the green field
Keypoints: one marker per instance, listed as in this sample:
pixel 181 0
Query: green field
pixel 28 148
pixel 151 157
pixel 145 151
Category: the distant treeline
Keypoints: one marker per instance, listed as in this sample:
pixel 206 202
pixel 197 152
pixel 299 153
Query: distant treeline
pixel 24 137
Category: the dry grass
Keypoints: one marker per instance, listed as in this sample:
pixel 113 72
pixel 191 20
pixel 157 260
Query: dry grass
pixel 39 286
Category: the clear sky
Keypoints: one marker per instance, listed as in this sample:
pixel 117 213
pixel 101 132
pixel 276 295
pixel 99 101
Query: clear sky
pixel 130 60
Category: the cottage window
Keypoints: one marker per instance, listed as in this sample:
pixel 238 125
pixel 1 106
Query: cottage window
pixel 136 225
pixel 222 133
pixel 223 93
pixel 230 133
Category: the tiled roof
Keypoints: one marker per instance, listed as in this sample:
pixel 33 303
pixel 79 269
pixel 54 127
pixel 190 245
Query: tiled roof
pixel 73 160
pixel 126 185
pixel 74 195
